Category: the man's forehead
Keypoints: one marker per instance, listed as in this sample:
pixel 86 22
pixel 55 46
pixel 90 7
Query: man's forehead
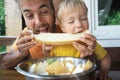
pixel 32 0
pixel 34 4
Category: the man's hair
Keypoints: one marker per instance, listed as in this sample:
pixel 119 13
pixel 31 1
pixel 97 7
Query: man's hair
pixel 51 3
pixel 70 5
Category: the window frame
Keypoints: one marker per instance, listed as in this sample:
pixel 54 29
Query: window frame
pixel 107 36
pixel 13 19
pixel 13 23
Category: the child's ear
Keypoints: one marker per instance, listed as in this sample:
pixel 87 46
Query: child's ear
pixel 60 25
pixel 62 28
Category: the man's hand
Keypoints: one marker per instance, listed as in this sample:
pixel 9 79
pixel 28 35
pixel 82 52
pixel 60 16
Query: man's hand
pixel 24 42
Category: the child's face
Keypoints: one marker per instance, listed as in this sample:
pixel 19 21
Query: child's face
pixel 74 21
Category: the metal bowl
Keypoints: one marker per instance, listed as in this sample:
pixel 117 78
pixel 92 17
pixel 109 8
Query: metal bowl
pixel 23 69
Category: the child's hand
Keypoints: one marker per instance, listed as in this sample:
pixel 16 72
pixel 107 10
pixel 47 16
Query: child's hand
pixel 46 49
pixel 102 76
pixel 87 48
pixel 104 70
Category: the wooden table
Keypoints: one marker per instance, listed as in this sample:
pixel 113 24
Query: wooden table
pixel 11 75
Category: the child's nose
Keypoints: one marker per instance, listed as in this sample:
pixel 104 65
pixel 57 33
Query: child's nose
pixel 78 24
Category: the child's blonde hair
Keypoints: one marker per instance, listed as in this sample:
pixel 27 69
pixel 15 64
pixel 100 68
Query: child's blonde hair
pixel 70 5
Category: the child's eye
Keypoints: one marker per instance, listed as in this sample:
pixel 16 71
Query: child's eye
pixel 70 22
pixel 84 18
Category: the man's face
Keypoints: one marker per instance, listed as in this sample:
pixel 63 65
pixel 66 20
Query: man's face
pixel 38 15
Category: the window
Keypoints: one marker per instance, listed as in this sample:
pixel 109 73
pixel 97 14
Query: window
pixel 2 22
pixel 105 21
pixel 10 23
pixel 2 18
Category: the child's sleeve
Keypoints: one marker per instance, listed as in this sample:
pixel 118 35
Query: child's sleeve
pixel 100 52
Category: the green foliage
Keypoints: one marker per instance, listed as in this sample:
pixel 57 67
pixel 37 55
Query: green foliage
pixel 2 23
pixel 2 18
pixel 2 48
pixel 113 18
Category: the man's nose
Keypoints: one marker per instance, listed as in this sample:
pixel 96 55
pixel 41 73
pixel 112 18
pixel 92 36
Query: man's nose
pixel 38 20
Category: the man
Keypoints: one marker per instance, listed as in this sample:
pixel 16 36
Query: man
pixel 39 17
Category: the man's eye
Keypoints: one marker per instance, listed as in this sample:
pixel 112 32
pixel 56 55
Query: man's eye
pixel 44 13
pixel 30 16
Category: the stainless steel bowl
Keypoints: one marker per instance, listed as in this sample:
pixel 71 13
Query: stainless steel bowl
pixel 23 69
